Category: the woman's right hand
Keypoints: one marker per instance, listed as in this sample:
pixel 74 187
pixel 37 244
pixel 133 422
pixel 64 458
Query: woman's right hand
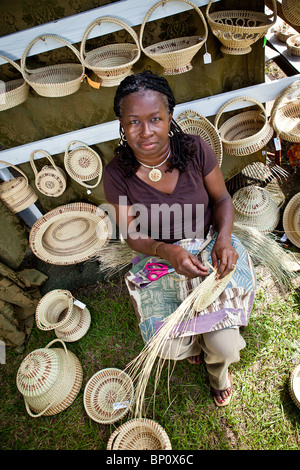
pixel 182 261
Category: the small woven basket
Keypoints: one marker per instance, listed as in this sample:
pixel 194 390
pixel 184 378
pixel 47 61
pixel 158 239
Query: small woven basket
pixel 294 385
pixel 14 92
pixel 293 44
pixel 113 62
pixel 237 30
pixel 174 55
pixel 139 434
pixel 291 11
pixel 246 132
pixel 194 123
pixel 83 164
pixel 50 180
pixel 16 193
pixel 54 80
pixel 285 113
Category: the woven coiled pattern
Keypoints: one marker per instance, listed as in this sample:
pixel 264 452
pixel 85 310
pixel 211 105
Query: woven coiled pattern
pixel 83 164
pixel 16 193
pixel 13 92
pixel 285 113
pixel 291 11
pixel 294 385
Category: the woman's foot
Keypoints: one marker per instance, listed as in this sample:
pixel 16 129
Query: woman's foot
pixel 194 359
pixel 222 397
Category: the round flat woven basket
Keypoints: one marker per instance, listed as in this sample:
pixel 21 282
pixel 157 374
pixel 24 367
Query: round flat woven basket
pixel 83 164
pixel 293 44
pixel 17 193
pixel 291 11
pixel 50 180
pixel 70 234
pixel 113 62
pixel 285 113
pixel 237 30
pixel 108 395
pixel 54 80
pixel 139 434
pixel 194 123
pixel 294 385
pixel 291 220
pixel 174 55
pixel 246 132
pixel 13 92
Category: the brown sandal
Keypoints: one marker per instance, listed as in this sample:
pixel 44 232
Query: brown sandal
pixel 217 395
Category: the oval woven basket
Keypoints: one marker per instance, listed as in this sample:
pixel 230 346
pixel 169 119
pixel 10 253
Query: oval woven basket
pixel 83 164
pixel 54 80
pixel 246 132
pixel 291 220
pixel 293 44
pixel 291 11
pixel 16 193
pixel 49 380
pixel 50 180
pixel 285 113
pixel 108 395
pixel 13 92
pixel 174 55
pixel 194 123
pixel 139 434
pixel 113 62
pixel 237 30
pixel 294 385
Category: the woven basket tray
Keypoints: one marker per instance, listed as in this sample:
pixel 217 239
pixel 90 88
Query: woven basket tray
pixel 285 113
pixel 174 55
pixel 16 193
pixel 291 11
pixel 293 44
pixel 13 92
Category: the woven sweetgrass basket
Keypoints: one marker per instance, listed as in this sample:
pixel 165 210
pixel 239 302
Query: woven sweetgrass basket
pixel 50 180
pixel 174 55
pixel 16 193
pixel 13 92
pixel 237 30
pixel 285 113
pixel 291 11
pixel 291 220
pixel 294 385
pixel 293 44
pixel 113 62
pixel 83 164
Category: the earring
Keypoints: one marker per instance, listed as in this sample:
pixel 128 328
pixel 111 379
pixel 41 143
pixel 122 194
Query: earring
pixel 170 133
pixel 123 139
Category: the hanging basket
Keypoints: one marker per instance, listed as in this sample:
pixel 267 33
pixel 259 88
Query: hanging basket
pixel 291 11
pixel 285 113
pixel 237 30
pixel 293 44
pixel 139 434
pixel 50 180
pixel 113 62
pixel 16 193
pixel 13 92
pixel 194 123
pixel 174 55
pixel 83 164
pixel 49 380
pixel 54 80
pixel 246 132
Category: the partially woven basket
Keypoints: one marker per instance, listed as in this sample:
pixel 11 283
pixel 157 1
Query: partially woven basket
pixel 13 92
pixel 293 44
pixel 294 385
pixel 291 11
pixel 237 30
pixel 83 164
pixel 285 113
pixel 194 123
pixel 113 62
pixel 50 180
pixel 16 193
pixel 174 55
pixel 54 80
pixel 246 132
pixel 139 434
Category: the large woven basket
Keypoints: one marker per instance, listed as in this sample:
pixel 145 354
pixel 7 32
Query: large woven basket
pixel 174 55
pixel 291 11
pixel 50 180
pixel 285 113
pixel 139 434
pixel 13 92
pixel 194 123
pixel 54 80
pixel 83 164
pixel 293 44
pixel 49 380
pixel 237 30
pixel 16 193
pixel 246 132
pixel 113 62
pixel 294 385
pixel 291 220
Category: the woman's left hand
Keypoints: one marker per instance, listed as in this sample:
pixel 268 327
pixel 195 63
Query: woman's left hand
pixel 224 257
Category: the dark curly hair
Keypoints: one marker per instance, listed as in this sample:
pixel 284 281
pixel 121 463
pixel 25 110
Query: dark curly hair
pixel 182 145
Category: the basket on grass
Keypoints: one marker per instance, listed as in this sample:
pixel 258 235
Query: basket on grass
pixel 54 80
pixel 291 11
pixel 285 113
pixel 194 123
pixel 294 385
pixel 113 62
pixel 139 434
pixel 174 55
pixel 83 164
pixel 49 380
pixel 237 30
pixel 13 92
pixel 245 132
pixel 50 180
pixel 17 193
pixel 293 44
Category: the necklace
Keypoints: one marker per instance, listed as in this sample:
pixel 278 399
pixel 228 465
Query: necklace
pixel 155 174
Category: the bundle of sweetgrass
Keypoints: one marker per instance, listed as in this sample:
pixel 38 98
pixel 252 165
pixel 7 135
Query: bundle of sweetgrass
pixel 114 258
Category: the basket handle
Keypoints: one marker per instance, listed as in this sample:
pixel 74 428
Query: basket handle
pixel 55 341
pixel 284 93
pixel 12 63
pixel 233 100
pixel 38 414
pixel 163 2
pixel 108 19
pixel 16 168
pixel 74 142
pixel 274 4
pixel 46 154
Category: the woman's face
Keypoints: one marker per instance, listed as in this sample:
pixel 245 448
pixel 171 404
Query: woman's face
pixel 146 122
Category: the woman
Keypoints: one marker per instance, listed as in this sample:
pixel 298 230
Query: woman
pixel 171 205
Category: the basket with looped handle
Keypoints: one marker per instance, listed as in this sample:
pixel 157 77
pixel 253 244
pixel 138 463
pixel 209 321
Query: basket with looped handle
pixel 246 132
pixel 113 62
pixel 83 164
pixel 174 55
pixel 54 80
pixel 194 123
pixel 291 11
pixel 50 180
pixel 16 193
pixel 237 30
pixel 13 92
pixel 285 113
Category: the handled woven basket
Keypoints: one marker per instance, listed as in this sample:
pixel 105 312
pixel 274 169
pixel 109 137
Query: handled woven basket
pixel 237 30
pixel 16 193
pixel 246 132
pixel 291 11
pixel 54 80
pixel 293 44
pixel 14 92
pixel 50 180
pixel 113 62
pixel 83 164
pixel 174 55
pixel 285 113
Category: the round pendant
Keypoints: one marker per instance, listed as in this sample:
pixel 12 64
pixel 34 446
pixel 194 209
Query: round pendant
pixel 155 175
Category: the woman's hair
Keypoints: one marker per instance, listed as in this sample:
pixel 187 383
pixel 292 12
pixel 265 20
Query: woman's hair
pixel 182 145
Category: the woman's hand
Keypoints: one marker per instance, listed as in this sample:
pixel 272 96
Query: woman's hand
pixel 182 261
pixel 224 257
